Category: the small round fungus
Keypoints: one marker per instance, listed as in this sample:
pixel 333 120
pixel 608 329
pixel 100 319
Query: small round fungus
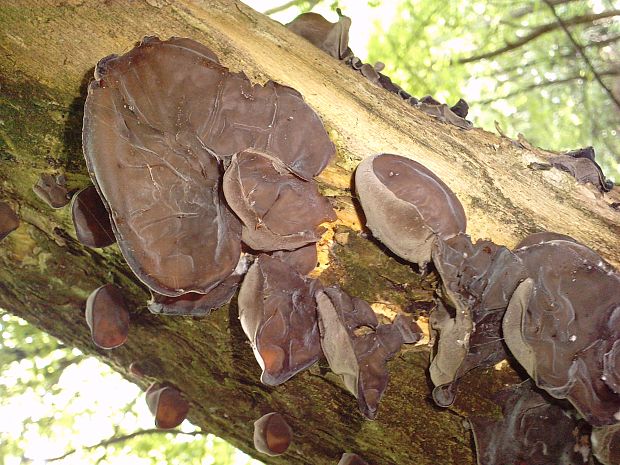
pixel 52 190
pixel 91 219
pixel 107 316
pixel 351 459
pixel 9 221
pixel 167 405
pixel 406 206
pixel 272 434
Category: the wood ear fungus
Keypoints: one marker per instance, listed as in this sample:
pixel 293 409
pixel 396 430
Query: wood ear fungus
pixel 9 221
pixel 107 317
pixel 91 219
pixel 351 459
pixel 272 434
pixel 167 405
pixel 52 190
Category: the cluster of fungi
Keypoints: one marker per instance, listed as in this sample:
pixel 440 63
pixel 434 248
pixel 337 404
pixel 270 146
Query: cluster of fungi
pixel 206 182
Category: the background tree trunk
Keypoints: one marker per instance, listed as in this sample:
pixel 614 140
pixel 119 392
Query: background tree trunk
pixel 48 49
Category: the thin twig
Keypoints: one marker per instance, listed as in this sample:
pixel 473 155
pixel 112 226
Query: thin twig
pixel 287 5
pixel 126 437
pixel 582 52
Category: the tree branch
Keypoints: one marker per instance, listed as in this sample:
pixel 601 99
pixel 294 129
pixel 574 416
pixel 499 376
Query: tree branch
pixel 536 33
pixel 526 10
pixel 126 437
pixel 582 52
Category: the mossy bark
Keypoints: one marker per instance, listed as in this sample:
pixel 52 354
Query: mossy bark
pixel 47 52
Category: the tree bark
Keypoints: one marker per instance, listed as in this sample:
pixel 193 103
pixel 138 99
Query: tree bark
pixel 47 52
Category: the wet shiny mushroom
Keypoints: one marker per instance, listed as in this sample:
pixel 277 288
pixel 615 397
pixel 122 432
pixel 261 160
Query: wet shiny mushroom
pixel 272 434
pixel 9 221
pixel 304 259
pixel 91 219
pixel 167 405
pixel 52 190
pixel 107 316
pixel 563 321
pixel 268 198
pixel 332 38
pixel 356 346
pixel 407 207
pixel 351 459
pixel 542 236
pixel 278 315
pixel 606 444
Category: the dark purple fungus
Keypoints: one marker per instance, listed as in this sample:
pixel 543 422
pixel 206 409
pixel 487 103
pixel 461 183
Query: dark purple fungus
pixel 356 346
pixel 477 282
pixel 332 38
pixel 611 365
pixel 429 100
pixel 9 221
pixel 562 323
pixel 406 206
pixel 91 219
pixel 167 405
pixel 543 236
pixel 582 166
pixel 272 434
pixel 606 444
pixel 303 260
pixel 269 199
pixel 107 317
pixel 351 459
pixel 532 431
pixel 409 330
pixel 278 315
pixel 460 108
pixel 370 73
pixel 52 190
pixel 443 113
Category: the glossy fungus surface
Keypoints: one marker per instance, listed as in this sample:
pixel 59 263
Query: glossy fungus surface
pixel 477 282
pixel 272 434
pixel 356 346
pixel 107 316
pixel 606 444
pixel 9 221
pixel 542 236
pixel 278 209
pixel 407 206
pixel 303 260
pixel 91 219
pixel 278 315
pixel 563 324
pixel 332 38
pixel 531 431
pixel 52 190
pixel 167 405
pixel 351 459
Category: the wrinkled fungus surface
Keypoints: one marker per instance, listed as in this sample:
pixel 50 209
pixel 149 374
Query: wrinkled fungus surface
pixel 107 316
pixel 532 432
pixel 269 199
pixel 167 405
pixel 278 314
pixel 304 259
pixel 563 326
pixel 582 166
pixel 332 38
pixel 606 444
pixel 91 219
pixel 160 122
pixel 52 190
pixel 356 346
pixel 9 221
pixel 272 434
pixel 406 206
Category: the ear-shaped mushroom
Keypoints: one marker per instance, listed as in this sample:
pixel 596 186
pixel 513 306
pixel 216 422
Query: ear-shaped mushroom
pixel 460 108
pixel 351 459
pixel 543 236
pixel 531 431
pixel 332 38
pixel 167 405
pixel 303 260
pixel 406 206
pixel 582 166
pixel 606 444
pixel 272 434
pixel 107 316
pixel 563 321
pixel 356 346
pixel 478 281
pixel 268 198
pixel 91 219
pixel 442 112
pixel 9 221
pixel 52 190
pixel 278 314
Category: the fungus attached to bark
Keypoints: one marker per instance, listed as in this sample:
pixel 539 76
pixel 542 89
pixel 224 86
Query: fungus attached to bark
pixel 351 459
pixel 582 166
pixel 606 444
pixel 531 431
pixel 303 260
pixel 107 316
pixel 159 124
pixel 268 198
pixel 332 38
pixel 52 190
pixel 167 405
pixel 9 221
pixel 542 236
pixel 477 281
pixel 91 219
pixel 563 324
pixel 278 314
pixel 406 206
pixel 356 346
pixel 272 434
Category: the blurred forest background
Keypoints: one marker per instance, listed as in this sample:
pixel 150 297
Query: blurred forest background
pixel 548 69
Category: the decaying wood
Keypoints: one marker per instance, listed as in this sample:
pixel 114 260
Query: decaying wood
pixel 47 52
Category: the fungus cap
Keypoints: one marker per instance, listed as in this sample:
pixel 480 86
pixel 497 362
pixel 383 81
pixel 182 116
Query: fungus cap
pixel 107 316
pixel 272 434
pixel 91 219
pixel 167 405
pixel 9 221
